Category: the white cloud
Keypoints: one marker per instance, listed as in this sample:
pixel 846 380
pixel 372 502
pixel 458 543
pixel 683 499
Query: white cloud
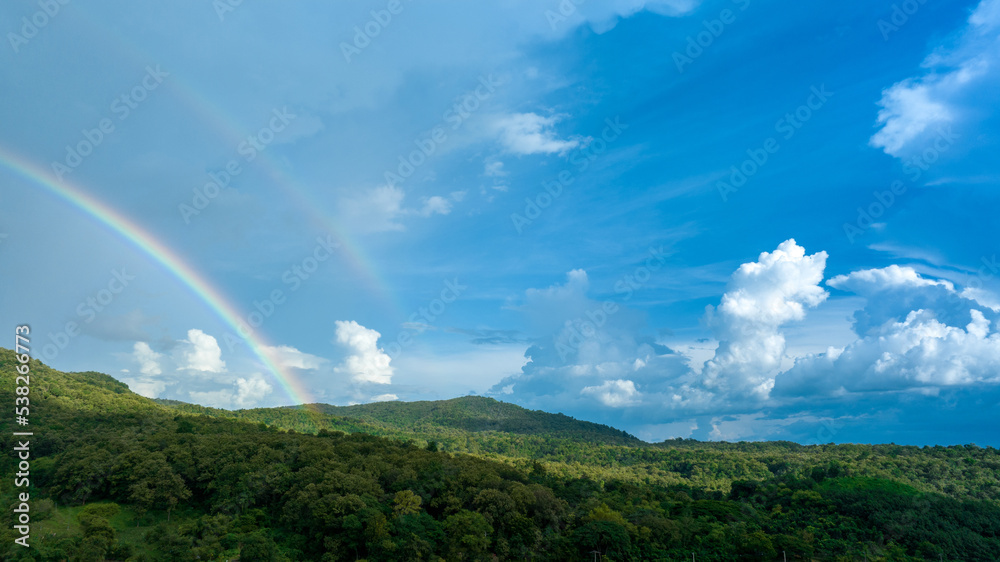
pixel 494 169
pixel 366 361
pixel 914 108
pixel 893 292
pixel 914 338
pixel 222 398
pixel 381 209
pixel 249 392
pixel 150 388
pixel 435 205
pixel 375 210
pixel 201 352
pixel 384 398
pixel 286 356
pixel 892 277
pixel 148 360
pixel 760 297
pixel 918 352
pixel 244 393
pixel 615 394
pixel 908 109
pixel 530 133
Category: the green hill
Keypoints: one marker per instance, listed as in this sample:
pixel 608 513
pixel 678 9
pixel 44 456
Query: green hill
pixel 115 476
pixel 426 419
pixel 478 414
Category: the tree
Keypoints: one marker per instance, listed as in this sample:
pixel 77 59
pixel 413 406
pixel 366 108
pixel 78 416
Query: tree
pixel 406 503
pixel 468 534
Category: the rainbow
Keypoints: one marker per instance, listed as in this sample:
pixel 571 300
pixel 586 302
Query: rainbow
pixel 201 287
pixel 224 125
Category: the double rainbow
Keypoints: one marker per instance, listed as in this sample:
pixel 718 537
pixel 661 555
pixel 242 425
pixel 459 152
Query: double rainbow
pixel 174 264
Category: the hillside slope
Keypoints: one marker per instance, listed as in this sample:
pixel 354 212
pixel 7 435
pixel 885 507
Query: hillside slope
pixel 479 414
pixel 118 476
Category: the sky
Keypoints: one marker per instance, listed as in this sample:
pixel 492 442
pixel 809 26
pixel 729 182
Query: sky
pixel 720 219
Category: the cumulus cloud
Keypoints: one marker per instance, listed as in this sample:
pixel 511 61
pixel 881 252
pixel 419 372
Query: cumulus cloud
pixel 145 386
pixel 615 394
pixel 958 82
pixel 760 297
pixel 919 352
pixel 530 133
pixel 893 292
pixel 249 392
pixel 201 352
pixel 245 392
pixel 384 398
pixel 915 333
pixel 287 356
pixel 918 339
pixel 366 362
pixel 585 352
pixel 148 360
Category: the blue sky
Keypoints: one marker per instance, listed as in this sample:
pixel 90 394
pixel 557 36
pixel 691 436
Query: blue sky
pixel 727 219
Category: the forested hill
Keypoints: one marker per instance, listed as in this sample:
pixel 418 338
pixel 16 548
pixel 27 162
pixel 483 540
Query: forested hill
pixel 473 424
pixel 115 476
pixel 479 413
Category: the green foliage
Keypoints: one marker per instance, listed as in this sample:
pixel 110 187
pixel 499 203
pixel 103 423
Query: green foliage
pixel 119 477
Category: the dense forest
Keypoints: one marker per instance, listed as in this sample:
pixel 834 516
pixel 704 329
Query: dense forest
pixel 115 476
